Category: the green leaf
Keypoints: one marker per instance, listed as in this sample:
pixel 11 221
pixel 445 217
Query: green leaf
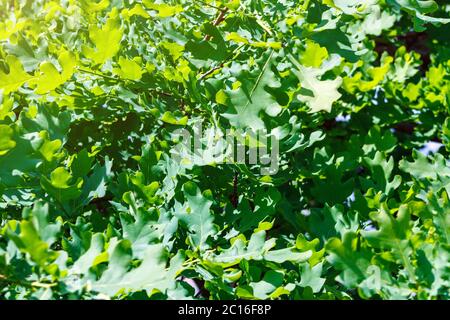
pixel 310 277
pixel 164 10
pixel 252 98
pixel 377 75
pixel 267 286
pixel 35 234
pixel 349 203
pixel 287 254
pixel 240 250
pixel 381 173
pixel 420 9
pixel 314 55
pixel 39 216
pixel 345 256
pixel 151 274
pixel 196 215
pixel 129 69
pixel 304 245
pixel 15 78
pixel 168 117
pixel 6 141
pixel 392 230
pixel 421 168
pixel 61 185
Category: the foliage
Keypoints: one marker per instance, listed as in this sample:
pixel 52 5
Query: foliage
pixel 93 206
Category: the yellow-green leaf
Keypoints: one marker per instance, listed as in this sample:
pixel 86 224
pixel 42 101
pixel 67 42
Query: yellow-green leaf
pixel 168 117
pixel 6 141
pixel 313 55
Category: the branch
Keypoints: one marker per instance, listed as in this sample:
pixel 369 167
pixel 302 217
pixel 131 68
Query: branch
pixel 160 93
pixel 210 71
pixel 10 281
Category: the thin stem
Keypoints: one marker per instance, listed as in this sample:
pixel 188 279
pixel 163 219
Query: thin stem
pixel 99 74
pixel 234 54
pixel 209 5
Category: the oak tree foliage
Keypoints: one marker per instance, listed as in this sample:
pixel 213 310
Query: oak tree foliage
pixel 93 206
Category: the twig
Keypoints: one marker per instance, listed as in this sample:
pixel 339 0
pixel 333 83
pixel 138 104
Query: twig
pixel 219 19
pixel 209 72
pixel 162 93
pixel 9 281
pixel 98 74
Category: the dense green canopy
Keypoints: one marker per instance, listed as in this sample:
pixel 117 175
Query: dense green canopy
pixel 94 205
